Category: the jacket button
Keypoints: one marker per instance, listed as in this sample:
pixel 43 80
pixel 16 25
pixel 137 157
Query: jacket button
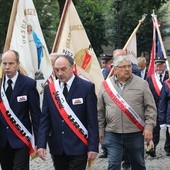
pixel 7 127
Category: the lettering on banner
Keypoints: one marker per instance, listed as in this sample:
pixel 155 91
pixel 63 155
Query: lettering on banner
pixel 67 52
pixel 58 100
pixel 76 27
pixel 23 31
pixel 77 126
pixel 18 127
pixel 68 40
pixel 30 12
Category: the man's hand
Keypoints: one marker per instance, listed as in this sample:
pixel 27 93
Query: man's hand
pixel 42 153
pixel 91 157
pixel 148 135
pixel 101 139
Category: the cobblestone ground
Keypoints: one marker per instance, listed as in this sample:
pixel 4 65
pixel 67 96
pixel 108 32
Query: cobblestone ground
pixel 161 162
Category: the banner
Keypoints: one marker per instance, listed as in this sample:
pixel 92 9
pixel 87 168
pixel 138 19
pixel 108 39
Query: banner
pixel 71 39
pixel 27 39
pixel 158 49
pixel 131 50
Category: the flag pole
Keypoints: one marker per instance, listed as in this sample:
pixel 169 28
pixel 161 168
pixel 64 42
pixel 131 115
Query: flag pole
pixel 130 38
pixel 54 49
pixel 135 30
pixel 11 25
pixel 9 32
pixel 161 42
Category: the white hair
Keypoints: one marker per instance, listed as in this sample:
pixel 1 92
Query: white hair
pixel 119 59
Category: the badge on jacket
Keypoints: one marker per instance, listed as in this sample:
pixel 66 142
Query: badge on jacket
pixel 22 98
pixel 77 101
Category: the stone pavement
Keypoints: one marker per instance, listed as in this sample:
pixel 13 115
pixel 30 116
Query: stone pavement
pixel 161 162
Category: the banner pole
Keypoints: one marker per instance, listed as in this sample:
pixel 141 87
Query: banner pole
pixel 55 48
pixel 9 33
pixel 11 25
pixel 135 30
pixel 130 38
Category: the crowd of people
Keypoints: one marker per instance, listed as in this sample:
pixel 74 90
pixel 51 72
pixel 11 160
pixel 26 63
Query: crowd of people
pixel 127 114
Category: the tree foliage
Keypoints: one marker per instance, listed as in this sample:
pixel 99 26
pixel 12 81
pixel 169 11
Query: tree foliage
pixel 91 14
pixel 5 11
pixel 130 13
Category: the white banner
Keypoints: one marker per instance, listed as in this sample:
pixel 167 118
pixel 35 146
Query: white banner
pixel 27 39
pixel 132 50
pixel 74 42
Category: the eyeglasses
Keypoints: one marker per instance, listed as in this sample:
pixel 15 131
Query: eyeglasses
pixel 125 66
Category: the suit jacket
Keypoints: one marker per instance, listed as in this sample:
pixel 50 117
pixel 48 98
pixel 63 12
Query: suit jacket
pixel 54 129
pixel 135 70
pixel 24 86
pixel 155 95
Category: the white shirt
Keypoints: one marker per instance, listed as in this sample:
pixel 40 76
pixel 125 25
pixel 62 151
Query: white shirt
pixel 14 79
pixel 69 83
pixel 142 72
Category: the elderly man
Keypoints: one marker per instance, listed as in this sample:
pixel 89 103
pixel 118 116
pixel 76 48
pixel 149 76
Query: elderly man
pixel 69 119
pixel 136 71
pixel 126 114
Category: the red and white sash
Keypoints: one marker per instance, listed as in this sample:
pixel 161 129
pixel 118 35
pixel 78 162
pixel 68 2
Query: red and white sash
pixel 15 124
pixel 123 105
pixel 67 113
pixel 156 83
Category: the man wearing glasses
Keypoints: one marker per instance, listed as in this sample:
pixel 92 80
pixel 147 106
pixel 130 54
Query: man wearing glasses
pixel 126 105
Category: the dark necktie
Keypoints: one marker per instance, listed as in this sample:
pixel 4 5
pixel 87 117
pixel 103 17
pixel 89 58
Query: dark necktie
pixel 160 78
pixel 9 89
pixel 65 90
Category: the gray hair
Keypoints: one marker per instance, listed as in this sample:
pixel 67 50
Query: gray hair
pixel 70 59
pixel 141 59
pixel 119 59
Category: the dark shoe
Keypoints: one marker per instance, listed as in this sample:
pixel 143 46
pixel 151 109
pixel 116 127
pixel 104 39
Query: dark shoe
pixel 103 156
pixel 151 152
pixel 167 153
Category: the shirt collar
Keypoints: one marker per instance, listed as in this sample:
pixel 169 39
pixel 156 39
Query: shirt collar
pixel 13 78
pixel 69 82
pixel 158 75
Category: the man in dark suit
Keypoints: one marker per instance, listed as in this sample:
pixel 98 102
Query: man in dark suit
pixel 69 119
pixel 155 83
pixel 20 112
pixel 106 63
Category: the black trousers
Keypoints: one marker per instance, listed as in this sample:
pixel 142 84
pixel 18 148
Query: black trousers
pixel 73 162
pixel 14 159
